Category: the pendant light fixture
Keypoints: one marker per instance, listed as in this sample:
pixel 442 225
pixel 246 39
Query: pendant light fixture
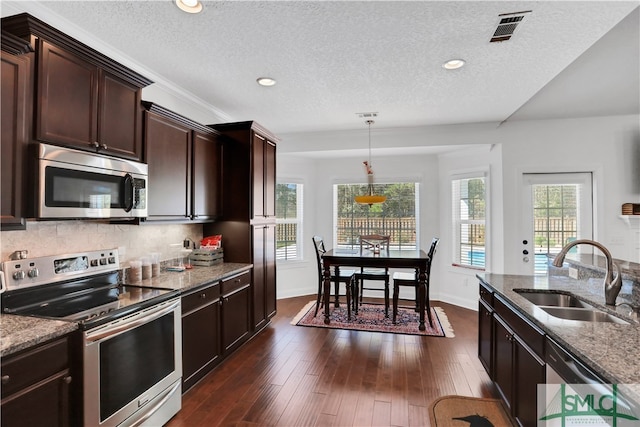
pixel 369 198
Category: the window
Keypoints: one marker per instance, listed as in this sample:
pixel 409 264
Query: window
pixel 288 221
pixel 469 213
pixel 396 217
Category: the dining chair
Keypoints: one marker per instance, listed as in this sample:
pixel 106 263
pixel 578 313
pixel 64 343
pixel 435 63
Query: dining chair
pixel 375 243
pixel 411 279
pixel 346 276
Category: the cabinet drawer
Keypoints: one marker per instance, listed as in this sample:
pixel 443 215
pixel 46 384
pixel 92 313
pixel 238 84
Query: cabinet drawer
pixel 532 336
pixel 234 283
pixel 32 366
pixel 486 294
pixel 200 298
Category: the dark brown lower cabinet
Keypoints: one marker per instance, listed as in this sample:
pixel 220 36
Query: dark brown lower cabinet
pixel 236 314
pixel 264 274
pixel 503 360
pixel 200 333
pixel 485 334
pixel 37 387
pixel 529 372
pixel 511 350
pixel 215 321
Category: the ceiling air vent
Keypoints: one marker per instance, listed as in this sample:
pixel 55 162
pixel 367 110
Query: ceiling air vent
pixel 507 25
pixel 367 115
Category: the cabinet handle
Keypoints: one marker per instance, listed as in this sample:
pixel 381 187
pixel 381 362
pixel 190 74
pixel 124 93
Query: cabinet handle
pixel 6 379
pixel 203 295
pixel 104 147
pixel 95 144
pixel 487 313
pixel 67 380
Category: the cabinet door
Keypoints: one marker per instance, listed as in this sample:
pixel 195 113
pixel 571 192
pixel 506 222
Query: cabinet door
pixel 485 329
pixel 257 160
pixel 259 276
pixel 67 99
pixel 14 127
pixel 168 153
pixel 46 404
pixel 269 179
pixel 207 177
pixel 36 386
pixel 270 269
pixel 529 371
pixel 235 318
pixel 200 343
pixel 503 360
pixel 120 123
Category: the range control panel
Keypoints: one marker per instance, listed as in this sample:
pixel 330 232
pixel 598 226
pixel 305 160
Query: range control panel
pixel 27 272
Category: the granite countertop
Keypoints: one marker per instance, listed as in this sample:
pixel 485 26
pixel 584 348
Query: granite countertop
pixel 21 332
pixel 194 277
pixel 610 349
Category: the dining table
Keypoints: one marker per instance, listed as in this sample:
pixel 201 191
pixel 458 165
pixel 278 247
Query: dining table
pixel 415 259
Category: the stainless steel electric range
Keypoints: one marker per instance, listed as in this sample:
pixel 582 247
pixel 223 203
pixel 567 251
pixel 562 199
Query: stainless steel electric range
pixel 131 335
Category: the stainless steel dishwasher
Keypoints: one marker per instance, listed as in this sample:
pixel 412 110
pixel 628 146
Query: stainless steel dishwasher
pixel 564 368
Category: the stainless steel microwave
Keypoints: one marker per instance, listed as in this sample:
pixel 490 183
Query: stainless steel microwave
pixel 77 184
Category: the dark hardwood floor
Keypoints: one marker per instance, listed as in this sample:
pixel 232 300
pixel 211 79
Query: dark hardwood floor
pixel 299 376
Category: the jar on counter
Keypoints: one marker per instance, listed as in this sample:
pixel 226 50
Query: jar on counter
pixel 135 271
pixel 146 267
pixel 155 264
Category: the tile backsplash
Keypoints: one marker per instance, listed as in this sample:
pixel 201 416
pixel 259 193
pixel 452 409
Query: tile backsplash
pixel 43 238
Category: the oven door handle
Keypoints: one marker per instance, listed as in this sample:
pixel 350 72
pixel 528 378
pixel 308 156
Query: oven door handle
pixel 117 328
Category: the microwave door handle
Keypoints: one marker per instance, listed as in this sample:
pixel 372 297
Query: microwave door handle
pixel 128 192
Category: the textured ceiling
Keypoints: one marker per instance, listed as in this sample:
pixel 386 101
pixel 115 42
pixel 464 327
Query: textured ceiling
pixel 335 59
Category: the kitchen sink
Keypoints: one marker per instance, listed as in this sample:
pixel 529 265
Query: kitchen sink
pixel 583 314
pixel 568 307
pixel 553 299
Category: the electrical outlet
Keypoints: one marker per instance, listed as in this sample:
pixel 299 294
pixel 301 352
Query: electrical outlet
pixel 573 273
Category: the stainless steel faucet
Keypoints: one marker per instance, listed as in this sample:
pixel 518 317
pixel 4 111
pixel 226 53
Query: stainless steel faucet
pixel 612 285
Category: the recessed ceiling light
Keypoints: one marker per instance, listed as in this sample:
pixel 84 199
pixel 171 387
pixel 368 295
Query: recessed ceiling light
pixel 189 6
pixel 266 81
pixel 453 64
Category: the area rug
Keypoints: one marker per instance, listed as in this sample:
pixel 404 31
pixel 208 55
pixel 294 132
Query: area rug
pixel 460 411
pixel 371 318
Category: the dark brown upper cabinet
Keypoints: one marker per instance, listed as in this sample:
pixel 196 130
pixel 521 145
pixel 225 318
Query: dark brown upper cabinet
pixel 84 99
pixel 250 152
pixel 16 91
pixel 184 167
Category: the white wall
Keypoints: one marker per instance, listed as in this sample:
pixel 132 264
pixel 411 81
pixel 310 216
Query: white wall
pixel 609 147
pixel 458 285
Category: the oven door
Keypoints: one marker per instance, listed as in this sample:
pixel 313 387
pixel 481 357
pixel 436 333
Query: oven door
pixel 83 185
pixel 133 368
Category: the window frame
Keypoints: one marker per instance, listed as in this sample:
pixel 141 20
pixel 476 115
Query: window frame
pixel 299 221
pixel 455 221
